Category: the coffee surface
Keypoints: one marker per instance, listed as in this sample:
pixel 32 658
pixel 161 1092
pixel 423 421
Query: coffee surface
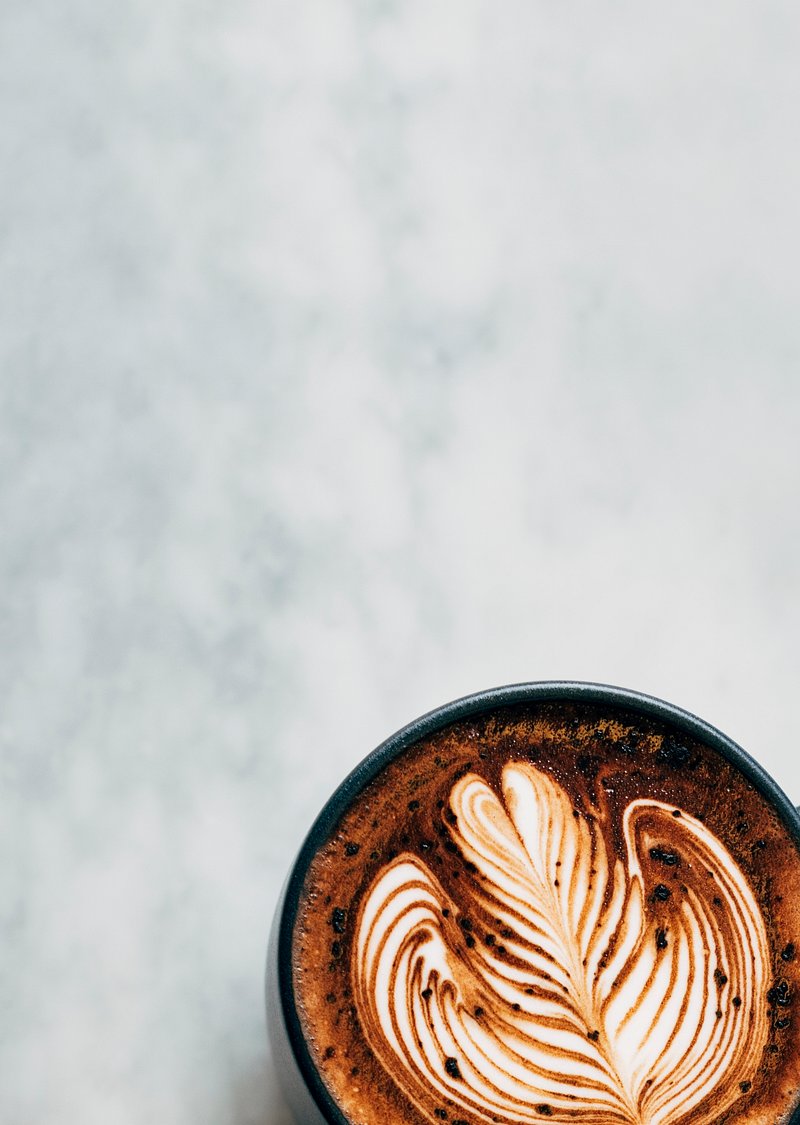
pixel 554 912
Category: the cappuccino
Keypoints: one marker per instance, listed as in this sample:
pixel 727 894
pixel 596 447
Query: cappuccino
pixel 557 910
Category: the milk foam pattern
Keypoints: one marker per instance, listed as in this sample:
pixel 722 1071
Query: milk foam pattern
pixel 574 986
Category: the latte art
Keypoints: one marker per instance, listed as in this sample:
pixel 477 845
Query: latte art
pixel 624 991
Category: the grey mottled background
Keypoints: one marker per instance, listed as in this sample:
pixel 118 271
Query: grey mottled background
pixel 355 356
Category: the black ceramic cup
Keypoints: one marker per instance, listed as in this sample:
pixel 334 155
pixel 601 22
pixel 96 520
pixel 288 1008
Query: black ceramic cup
pixel 303 1088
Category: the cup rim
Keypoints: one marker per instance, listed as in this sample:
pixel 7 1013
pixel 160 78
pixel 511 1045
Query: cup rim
pixel 538 691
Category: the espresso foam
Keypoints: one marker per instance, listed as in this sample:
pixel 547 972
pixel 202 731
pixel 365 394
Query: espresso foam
pixel 543 929
pixel 645 1037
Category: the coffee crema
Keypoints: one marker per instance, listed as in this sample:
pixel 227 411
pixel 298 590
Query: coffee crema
pixel 554 912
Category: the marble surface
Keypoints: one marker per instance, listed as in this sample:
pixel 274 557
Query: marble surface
pixel 353 357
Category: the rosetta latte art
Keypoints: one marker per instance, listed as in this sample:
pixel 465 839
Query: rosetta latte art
pixel 571 987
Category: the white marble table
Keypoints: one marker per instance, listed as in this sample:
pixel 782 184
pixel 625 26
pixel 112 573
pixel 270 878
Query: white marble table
pixel 355 356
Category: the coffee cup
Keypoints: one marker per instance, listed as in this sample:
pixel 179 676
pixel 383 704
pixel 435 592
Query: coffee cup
pixel 544 902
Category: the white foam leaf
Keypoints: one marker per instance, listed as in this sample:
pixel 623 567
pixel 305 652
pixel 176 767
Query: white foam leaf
pixel 568 986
